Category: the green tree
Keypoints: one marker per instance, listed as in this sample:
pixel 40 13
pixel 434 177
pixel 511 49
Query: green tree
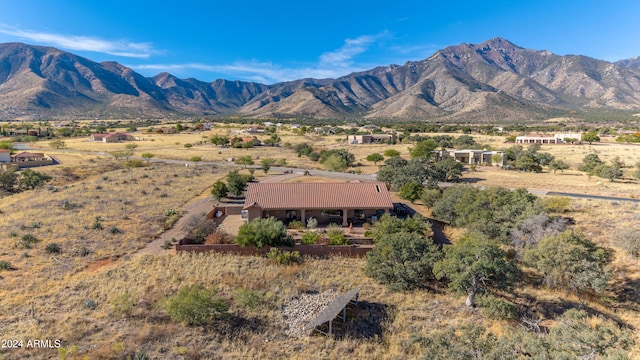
pixel 8 179
pixel 387 225
pixel 556 165
pixel 374 158
pixel 179 127
pixel 411 191
pixel 244 160
pixel 57 144
pixel 403 261
pixel 220 140
pixel 610 172
pixel 220 190
pixel 474 263
pixel 464 141
pixel 391 153
pixel 267 163
pixel 131 146
pixel 32 179
pixel 260 232
pixel 236 183
pixel 590 136
pixel 335 162
pixel 147 156
pixel 590 163
pixel 397 171
pixel 423 149
pixel 448 170
pixel 196 306
pixel 195 159
pixel 570 261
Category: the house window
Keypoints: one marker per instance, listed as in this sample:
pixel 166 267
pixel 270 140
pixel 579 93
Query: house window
pixel 291 215
pixel 331 213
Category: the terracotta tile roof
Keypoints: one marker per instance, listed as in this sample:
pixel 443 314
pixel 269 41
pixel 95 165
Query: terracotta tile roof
pixel 25 154
pixel 5 150
pixel 372 195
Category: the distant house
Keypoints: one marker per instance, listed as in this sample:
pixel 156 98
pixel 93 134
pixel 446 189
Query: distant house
pixel 341 203
pixel 472 157
pixel 112 137
pixel 28 159
pixel 547 139
pixel 370 139
pixel 255 130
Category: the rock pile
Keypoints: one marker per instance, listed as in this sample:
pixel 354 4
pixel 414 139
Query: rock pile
pixel 300 311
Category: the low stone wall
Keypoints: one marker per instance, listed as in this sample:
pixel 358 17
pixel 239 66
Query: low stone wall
pixel 29 164
pixel 311 250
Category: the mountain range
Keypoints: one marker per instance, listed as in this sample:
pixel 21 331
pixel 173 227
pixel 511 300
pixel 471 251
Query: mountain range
pixel 492 81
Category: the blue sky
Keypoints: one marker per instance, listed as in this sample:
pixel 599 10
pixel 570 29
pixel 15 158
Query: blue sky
pixel 273 41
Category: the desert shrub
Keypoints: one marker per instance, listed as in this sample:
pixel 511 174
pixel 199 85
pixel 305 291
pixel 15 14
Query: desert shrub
pixel 312 223
pixel 114 230
pixel 27 241
pixel 430 196
pixel 338 239
pixel 122 304
pixel 218 237
pixel 134 163
pixel 571 261
pixel 334 229
pixel 97 223
pixel 53 248
pixel 310 237
pixel 248 298
pixel 296 225
pixel 196 305
pixel 629 241
pixel 531 230
pixel 67 205
pixel 169 221
pixel 496 308
pixel 5 265
pixel 260 232
pixel 170 212
pixel 284 257
pixel 557 204
pixel 90 304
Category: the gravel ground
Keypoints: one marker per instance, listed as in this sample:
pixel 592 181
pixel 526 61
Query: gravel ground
pixel 300 311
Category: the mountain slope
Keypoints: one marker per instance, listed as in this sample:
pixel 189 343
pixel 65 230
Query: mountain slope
pixel 492 81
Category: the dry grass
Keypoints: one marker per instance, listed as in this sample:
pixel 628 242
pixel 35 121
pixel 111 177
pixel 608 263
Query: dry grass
pixel 45 296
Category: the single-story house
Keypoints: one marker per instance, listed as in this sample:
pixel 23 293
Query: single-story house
pixel 341 203
pixel 28 159
pixel 547 139
pixel 256 130
pixel 370 139
pixel 473 157
pixel 112 137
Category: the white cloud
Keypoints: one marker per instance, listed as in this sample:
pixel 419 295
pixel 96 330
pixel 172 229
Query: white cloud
pixel 122 48
pixel 343 57
pixel 331 64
